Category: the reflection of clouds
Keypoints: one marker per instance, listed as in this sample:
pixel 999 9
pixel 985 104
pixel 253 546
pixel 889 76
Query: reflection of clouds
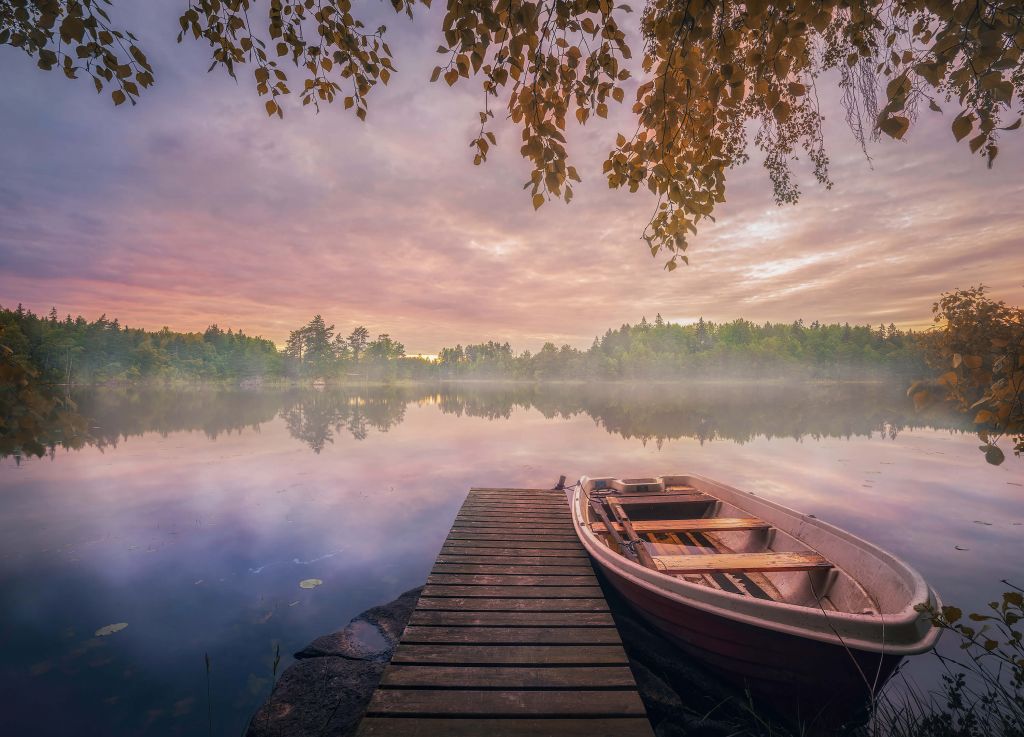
pixel 215 505
pixel 193 206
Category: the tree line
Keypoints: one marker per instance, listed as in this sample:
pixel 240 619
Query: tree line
pixel 78 351
pixel 977 345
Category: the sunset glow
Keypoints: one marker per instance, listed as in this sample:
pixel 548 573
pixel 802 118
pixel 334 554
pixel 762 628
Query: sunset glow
pixel 194 207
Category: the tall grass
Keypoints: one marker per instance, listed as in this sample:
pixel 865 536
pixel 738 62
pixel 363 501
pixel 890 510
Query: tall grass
pixel 982 693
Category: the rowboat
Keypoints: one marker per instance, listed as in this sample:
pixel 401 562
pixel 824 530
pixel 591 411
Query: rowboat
pixel 793 608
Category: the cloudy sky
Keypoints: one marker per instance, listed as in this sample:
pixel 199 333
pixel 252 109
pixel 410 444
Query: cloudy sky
pixel 194 207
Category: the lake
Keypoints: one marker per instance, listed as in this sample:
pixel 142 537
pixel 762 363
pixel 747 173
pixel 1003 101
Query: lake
pixel 193 516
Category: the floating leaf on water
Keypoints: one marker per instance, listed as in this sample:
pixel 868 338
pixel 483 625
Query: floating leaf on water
pixel 979 522
pixel 310 583
pixel 960 548
pixel 111 629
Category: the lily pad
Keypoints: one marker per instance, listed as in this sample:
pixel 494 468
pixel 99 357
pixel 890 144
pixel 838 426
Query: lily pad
pixel 111 629
pixel 310 583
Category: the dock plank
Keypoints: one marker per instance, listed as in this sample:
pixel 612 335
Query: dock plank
pixel 531 655
pixel 502 568
pixel 475 677
pixel 440 727
pixel 512 604
pixel 417 634
pixel 516 592
pixel 512 619
pixel 476 579
pixel 506 703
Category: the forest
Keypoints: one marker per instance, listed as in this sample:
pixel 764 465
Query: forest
pixel 76 351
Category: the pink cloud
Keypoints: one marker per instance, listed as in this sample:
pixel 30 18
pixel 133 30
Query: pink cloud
pixel 195 208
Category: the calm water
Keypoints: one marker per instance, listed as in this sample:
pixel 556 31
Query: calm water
pixel 193 516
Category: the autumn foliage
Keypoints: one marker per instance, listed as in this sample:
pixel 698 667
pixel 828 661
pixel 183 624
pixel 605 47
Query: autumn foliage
pixel 715 79
pixel 979 345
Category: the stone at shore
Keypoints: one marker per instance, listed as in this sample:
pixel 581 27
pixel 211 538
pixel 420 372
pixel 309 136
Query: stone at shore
pixel 327 690
pixel 372 635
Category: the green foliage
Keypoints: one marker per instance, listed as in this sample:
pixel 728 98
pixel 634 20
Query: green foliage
pixel 33 413
pixel 76 351
pixel 978 345
pixel 737 349
pixel 711 76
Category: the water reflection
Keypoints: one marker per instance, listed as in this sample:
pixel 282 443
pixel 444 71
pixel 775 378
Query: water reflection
pixel 194 515
pixel 648 412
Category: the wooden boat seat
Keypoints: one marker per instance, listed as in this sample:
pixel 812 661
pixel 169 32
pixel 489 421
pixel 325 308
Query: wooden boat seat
pixel 711 524
pixel 745 562
pixel 627 500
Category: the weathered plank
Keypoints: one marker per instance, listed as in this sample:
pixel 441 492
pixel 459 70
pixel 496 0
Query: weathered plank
pixel 525 517
pixel 518 592
pixel 519 560
pixel 511 604
pixel 475 677
pixel 511 635
pixel 511 619
pixel 539 544
pixel 494 516
pixel 467 547
pixel 511 654
pixel 665 498
pixel 504 524
pixel 476 579
pixel 513 569
pixel 565 727
pixel 710 524
pixel 790 561
pixel 460 534
pixel 506 703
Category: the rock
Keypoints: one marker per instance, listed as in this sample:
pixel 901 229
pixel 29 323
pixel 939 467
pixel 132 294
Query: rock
pixel 373 635
pixel 316 696
pixel 326 691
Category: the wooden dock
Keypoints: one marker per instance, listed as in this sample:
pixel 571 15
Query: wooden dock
pixel 511 637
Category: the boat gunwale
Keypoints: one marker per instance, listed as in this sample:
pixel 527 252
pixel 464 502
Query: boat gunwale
pixel 810 622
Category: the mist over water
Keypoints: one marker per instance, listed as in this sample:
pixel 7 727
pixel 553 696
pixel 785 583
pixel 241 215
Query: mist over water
pixel 192 516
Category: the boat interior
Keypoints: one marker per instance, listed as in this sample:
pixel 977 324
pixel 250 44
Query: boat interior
pixel 674 526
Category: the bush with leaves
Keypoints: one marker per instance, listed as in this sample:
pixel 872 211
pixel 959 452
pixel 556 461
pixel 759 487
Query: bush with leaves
pixel 978 343
pixel 985 688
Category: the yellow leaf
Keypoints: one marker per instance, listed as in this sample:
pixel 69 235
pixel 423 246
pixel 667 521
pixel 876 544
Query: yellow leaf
pixel 983 416
pixel 538 200
pixel 895 126
pixel 962 126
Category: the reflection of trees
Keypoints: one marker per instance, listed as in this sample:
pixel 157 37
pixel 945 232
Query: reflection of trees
pixel 738 412
pixel 314 417
pixel 648 412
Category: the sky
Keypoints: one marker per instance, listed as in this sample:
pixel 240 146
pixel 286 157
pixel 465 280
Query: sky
pixel 193 207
